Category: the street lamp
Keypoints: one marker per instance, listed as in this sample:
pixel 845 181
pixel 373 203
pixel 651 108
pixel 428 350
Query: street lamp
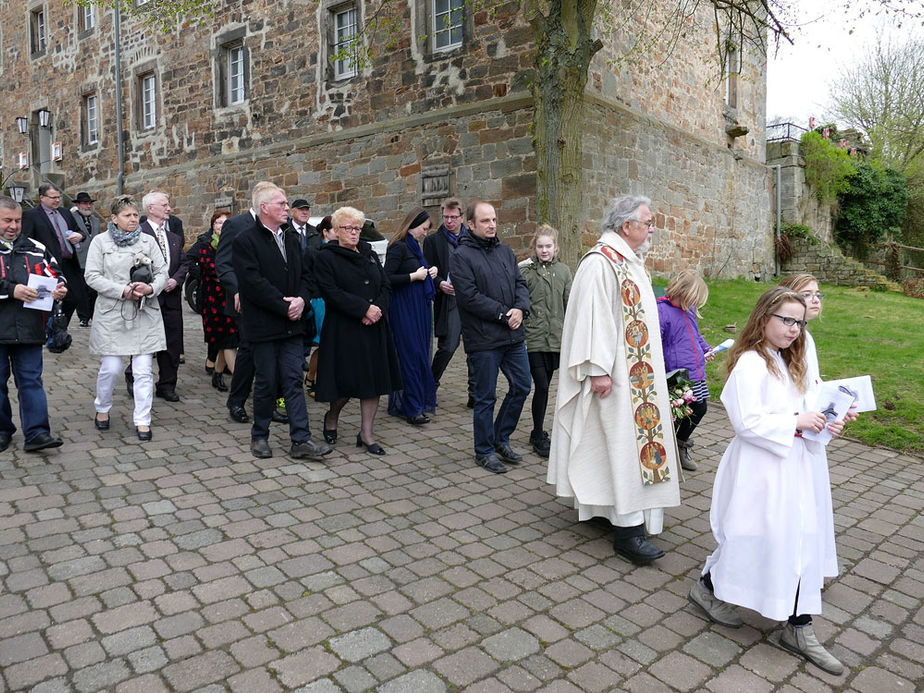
pixel 44 117
pixel 22 124
pixel 17 192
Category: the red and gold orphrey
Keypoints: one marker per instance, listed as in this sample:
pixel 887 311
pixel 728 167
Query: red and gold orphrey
pixel 649 429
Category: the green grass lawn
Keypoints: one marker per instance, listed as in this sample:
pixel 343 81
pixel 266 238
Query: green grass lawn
pixel 858 333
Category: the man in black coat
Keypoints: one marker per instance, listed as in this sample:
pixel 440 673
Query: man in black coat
pixel 273 292
pixel 88 226
pixel 56 229
pixel 437 249
pixel 493 302
pixel 242 380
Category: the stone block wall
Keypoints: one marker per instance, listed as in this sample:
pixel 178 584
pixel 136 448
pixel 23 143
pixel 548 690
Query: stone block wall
pixel 830 266
pixel 798 203
pixel 712 209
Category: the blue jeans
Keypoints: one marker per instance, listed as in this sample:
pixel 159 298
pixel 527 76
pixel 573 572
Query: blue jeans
pixel 25 361
pixel 513 363
pixel 278 368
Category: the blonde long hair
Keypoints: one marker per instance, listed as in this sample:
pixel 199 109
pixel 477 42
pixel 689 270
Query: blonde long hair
pixel 752 338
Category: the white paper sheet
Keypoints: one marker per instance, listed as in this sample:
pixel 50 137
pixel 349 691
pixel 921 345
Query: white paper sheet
pixel 44 285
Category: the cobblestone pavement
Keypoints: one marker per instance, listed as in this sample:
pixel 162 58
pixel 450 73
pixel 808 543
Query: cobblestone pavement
pixel 186 564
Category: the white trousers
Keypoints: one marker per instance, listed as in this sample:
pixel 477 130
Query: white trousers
pixel 110 368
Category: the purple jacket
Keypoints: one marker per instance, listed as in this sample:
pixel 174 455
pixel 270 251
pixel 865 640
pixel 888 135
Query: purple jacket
pixel 683 345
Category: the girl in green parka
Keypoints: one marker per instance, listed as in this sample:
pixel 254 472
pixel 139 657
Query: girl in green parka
pixel 549 283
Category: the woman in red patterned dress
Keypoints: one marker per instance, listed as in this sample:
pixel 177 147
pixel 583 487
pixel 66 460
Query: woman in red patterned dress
pixel 219 329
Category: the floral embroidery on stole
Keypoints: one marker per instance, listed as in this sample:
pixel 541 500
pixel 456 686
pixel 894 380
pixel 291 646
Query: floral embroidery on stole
pixel 649 430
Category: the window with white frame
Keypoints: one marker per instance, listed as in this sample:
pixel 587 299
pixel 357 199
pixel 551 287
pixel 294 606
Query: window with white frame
pixel 447 24
pixel 343 48
pixel 147 92
pixel 237 87
pixel 38 31
pixel 86 16
pixel 91 119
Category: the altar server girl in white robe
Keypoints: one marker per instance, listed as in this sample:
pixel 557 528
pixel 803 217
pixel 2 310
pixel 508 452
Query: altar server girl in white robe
pixel 771 511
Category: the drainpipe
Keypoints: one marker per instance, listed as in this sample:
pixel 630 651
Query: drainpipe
pixel 779 215
pixel 120 179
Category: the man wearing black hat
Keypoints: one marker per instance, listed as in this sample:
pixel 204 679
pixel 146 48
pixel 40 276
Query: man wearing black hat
pixel 299 214
pixel 88 225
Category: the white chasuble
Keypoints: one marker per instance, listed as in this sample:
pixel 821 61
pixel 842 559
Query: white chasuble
pixel 599 455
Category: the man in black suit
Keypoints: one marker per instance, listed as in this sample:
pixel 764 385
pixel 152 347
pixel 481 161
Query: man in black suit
pixel 298 220
pixel 273 292
pixel 242 380
pixel 57 230
pixel 437 249
pixel 157 225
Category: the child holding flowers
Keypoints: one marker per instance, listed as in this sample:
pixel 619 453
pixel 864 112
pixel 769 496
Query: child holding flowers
pixel 684 347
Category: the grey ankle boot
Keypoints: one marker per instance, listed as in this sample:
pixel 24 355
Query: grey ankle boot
pixel 685 448
pixel 801 640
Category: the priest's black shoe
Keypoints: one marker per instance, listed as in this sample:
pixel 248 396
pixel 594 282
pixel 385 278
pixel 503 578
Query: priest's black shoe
pixel 637 549
pixel 238 413
pixel 169 395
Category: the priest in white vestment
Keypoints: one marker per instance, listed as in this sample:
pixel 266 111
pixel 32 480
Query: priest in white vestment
pixel 613 450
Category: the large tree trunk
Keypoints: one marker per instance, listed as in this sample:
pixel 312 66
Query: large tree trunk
pixel 564 48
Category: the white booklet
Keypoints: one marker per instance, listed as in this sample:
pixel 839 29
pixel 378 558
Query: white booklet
pixel 44 285
pixel 834 398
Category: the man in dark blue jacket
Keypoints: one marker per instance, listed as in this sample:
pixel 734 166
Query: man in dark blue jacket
pixel 22 330
pixel 273 287
pixel 493 301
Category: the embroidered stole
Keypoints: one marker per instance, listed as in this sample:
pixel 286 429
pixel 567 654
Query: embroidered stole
pixel 649 429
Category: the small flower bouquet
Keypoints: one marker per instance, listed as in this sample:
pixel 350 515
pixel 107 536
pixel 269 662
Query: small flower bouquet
pixel 680 391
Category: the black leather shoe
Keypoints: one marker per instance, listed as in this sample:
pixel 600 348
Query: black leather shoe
pixel 144 436
pixel 238 414
pixel 279 417
pixel 309 449
pixel 506 453
pixel 418 420
pixel 5 441
pixel 169 395
pixel 218 382
pixel 101 425
pixel 84 322
pixel 42 442
pixel 371 448
pixel 492 464
pixel 260 448
pixel 637 549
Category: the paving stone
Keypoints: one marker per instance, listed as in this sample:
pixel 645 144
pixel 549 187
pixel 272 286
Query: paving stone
pixel 415 682
pixel 200 670
pixel 511 645
pixel 359 644
pixel 304 667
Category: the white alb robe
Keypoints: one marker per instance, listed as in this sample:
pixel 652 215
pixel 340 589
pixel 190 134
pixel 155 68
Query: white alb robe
pixel 594 457
pixel 771 503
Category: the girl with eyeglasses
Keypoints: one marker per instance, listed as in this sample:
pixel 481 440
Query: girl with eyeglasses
pixel 771 511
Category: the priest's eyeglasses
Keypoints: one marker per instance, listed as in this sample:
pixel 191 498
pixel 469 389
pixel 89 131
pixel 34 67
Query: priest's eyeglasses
pixel 789 322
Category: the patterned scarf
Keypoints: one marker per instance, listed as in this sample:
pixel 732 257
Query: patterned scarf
pixel 123 238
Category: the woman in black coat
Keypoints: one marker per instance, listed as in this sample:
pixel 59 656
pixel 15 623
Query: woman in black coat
pixel 358 357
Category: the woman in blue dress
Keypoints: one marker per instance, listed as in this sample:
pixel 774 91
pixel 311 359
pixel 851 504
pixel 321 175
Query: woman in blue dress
pixel 411 317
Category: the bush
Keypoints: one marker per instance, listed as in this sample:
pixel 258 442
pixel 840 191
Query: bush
pixel 875 201
pixel 787 233
pixel 827 167
pixel 914 287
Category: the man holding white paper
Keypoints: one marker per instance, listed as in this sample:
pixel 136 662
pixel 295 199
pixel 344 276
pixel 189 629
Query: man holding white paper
pixel 22 331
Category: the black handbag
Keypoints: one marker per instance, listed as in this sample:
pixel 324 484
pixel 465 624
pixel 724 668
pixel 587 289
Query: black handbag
pixel 58 338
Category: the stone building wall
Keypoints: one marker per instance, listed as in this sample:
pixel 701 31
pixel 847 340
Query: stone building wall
pixel 711 208
pixel 409 124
